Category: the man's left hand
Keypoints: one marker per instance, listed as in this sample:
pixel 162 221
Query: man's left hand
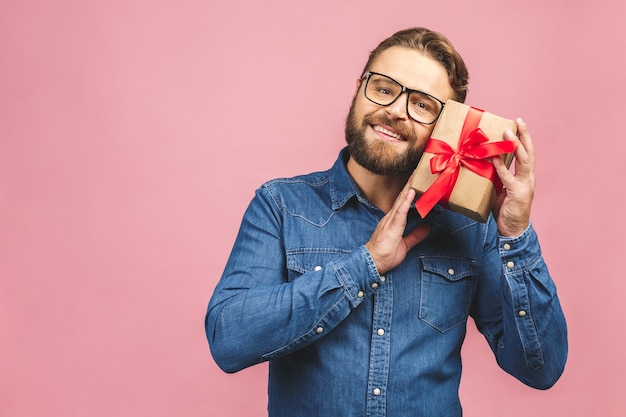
pixel 512 207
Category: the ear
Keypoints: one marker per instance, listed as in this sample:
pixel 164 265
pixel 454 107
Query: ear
pixel 358 85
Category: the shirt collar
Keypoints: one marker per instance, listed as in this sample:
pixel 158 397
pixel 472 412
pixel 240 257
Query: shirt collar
pixel 342 186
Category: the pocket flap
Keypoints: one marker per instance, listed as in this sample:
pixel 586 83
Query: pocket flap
pixel 307 260
pixel 451 269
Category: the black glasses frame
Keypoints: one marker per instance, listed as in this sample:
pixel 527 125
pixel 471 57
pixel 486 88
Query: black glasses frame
pixel 367 75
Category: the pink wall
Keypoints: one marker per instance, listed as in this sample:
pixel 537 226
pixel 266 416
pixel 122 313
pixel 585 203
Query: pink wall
pixel 133 134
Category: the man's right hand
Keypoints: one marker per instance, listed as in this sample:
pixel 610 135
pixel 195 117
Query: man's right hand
pixel 387 246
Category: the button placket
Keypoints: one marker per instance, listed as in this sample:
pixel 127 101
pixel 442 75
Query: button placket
pixel 379 346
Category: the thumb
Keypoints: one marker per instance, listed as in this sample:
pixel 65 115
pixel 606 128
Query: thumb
pixel 416 236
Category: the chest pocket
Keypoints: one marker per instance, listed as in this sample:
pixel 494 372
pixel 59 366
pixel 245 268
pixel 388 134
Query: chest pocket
pixel 447 290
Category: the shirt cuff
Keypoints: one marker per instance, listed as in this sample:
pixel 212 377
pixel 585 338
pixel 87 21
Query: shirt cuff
pixel 357 273
pixel 523 249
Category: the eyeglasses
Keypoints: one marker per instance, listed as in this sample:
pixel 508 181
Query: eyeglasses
pixel 383 90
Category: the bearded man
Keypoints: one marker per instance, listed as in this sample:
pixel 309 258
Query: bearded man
pixel 359 304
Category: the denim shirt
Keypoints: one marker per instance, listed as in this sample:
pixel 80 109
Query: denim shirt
pixel 301 291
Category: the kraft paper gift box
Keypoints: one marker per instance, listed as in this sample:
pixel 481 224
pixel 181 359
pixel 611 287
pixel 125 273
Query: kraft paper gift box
pixel 456 170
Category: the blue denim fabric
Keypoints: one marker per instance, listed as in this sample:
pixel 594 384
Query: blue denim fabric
pixel 301 291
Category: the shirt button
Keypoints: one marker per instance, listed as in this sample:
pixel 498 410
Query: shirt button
pixel 381 332
pixel 376 391
pixel 318 268
pixel 319 330
pixel 506 246
pixel 522 313
pixel 360 294
pixel 510 264
pixel 451 271
pixel 383 278
pixel 374 285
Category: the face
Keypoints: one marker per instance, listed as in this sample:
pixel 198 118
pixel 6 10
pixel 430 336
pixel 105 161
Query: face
pixel 385 140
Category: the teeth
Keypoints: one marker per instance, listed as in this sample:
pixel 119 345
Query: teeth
pixel 387 132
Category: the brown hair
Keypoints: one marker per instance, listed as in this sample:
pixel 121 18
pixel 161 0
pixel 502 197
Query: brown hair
pixel 437 47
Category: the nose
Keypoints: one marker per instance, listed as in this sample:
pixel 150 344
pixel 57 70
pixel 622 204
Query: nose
pixel 397 109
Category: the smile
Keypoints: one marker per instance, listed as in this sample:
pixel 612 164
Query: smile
pixel 386 132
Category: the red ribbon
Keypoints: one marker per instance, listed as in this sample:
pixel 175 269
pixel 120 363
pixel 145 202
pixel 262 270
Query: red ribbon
pixel 474 148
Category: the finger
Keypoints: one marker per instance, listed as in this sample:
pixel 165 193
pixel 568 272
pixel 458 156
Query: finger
pixel 520 151
pixel 399 214
pixel 404 204
pixel 416 236
pixel 503 172
pixel 524 135
pixel 406 188
pixel 401 199
pixel 524 154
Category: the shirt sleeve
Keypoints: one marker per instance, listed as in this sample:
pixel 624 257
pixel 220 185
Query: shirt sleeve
pixel 518 311
pixel 256 313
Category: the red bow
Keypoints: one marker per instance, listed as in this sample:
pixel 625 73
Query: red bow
pixel 472 153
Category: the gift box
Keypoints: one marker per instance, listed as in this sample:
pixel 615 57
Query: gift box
pixel 456 170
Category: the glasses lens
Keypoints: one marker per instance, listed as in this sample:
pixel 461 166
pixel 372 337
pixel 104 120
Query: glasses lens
pixel 423 107
pixel 382 90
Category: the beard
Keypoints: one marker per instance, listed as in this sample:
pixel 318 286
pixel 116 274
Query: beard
pixel 379 156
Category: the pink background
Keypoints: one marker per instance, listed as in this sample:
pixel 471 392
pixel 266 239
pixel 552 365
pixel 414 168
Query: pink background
pixel 133 134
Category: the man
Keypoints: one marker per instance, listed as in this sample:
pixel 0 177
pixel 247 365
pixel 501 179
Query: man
pixel 360 305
